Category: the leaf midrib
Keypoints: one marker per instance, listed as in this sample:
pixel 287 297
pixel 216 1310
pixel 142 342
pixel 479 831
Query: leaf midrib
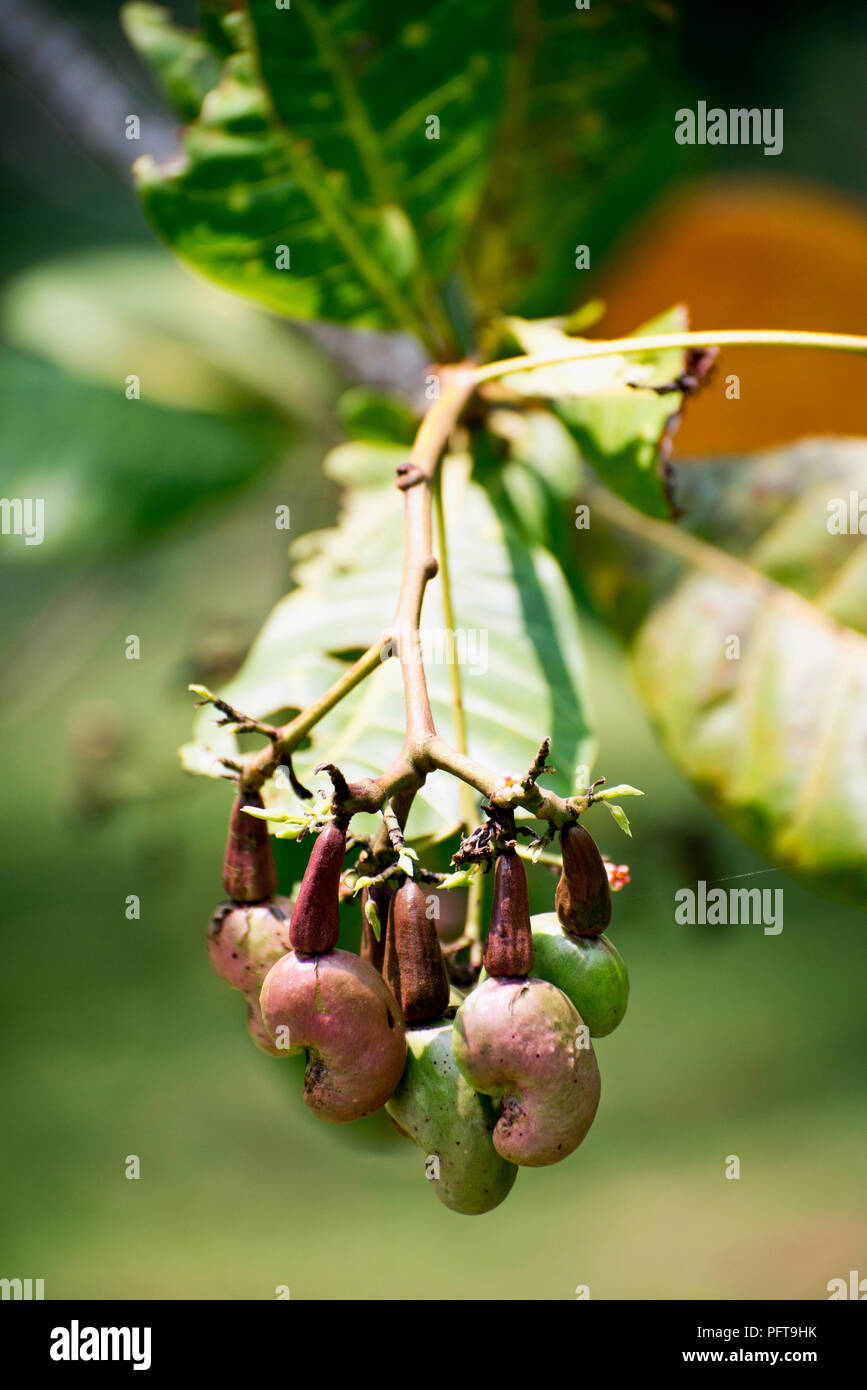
pixel 357 126
pixel 704 556
pixel 375 164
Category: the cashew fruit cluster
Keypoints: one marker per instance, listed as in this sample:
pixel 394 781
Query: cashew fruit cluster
pixel 483 1080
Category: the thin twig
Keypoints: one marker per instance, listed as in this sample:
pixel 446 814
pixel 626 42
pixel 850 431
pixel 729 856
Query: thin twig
pixel 589 348
pixel 459 718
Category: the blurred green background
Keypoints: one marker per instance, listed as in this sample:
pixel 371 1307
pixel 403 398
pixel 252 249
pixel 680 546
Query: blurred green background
pixel 119 1040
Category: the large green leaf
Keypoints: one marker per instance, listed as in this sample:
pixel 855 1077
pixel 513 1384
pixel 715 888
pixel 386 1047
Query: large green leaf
pixel 522 668
pixel 217 381
pixel 104 314
pixel 551 126
pixel 753 664
pixel 314 139
pixel 113 473
pixel 360 81
pixel 585 141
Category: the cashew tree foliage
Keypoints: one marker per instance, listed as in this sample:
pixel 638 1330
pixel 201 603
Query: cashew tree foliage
pixel 429 179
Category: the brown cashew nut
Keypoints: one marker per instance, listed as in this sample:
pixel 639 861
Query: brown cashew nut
pixel 509 943
pixel 524 1043
pixel 337 1009
pixel 249 871
pixel 583 897
pixel 316 919
pixel 413 965
pixel 244 941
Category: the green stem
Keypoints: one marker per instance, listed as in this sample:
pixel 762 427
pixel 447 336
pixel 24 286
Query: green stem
pixel 439 755
pixel 429 444
pixel 473 922
pixel 266 762
pixel 299 727
pixel 659 342
pixel 468 802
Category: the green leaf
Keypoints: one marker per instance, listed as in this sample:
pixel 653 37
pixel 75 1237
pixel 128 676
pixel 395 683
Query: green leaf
pixel 407 160
pixel 376 418
pixel 314 140
pixel 462 878
pixel 754 666
pixel 578 379
pixel 370 911
pixel 539 477
pixel 618 421
pixel 361 82
pixel 127 469
pixel 620 817
pixel 102 314
pixel 624 789
pixel 185 65
pixel 585 140
pixel 406 860
pixel 516 638
pixel 358 463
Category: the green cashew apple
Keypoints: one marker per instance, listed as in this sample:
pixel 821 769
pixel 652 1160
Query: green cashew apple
pixel 451 1122
pixel 525 1044
pixel 589 970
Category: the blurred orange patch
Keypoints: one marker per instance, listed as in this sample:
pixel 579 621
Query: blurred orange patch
pixel 751 256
